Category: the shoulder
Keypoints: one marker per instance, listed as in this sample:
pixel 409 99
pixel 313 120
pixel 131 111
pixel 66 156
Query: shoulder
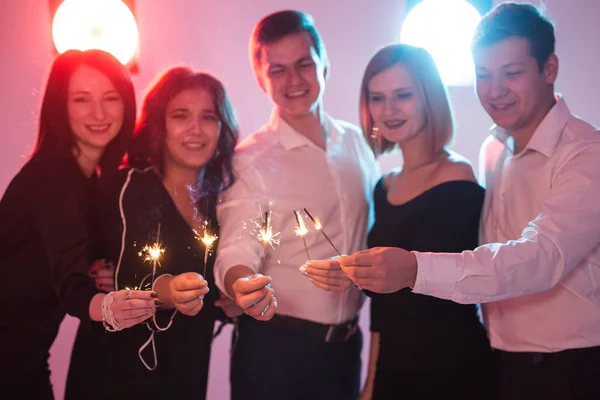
pixel 456 168
pixel 253 147
pixel 579 139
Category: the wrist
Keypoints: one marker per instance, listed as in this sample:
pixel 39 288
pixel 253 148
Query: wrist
pixel 414 269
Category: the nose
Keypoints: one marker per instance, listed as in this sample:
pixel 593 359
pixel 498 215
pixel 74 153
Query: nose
pixel 497 88
pixel 99 111
pixel 389 107
pixel 295 76
pixel 195 126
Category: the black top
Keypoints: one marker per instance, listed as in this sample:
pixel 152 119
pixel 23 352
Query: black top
pixel 105 365
pixel 423 333
pixel 43 260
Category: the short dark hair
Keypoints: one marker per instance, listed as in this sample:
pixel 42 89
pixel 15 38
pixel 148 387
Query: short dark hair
pixel 517 20
pixel 55 135
pixel 148 144
pixel 275 26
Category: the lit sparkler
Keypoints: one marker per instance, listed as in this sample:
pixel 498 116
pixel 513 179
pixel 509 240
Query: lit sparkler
pixel 319 227
pixel 263 230
pixel 301 230
pixel 153 253
pixel 208 239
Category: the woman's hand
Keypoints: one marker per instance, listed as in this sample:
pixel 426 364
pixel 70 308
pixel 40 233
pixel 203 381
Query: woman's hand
pixel 326 274
pixel 131 307
pixel 103 272
pixel 187 292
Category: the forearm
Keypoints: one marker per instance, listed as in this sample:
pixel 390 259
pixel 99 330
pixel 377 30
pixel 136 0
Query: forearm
pixel 233 274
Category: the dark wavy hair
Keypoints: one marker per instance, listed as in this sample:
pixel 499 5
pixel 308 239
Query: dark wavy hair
pixel 55 136
pixel 148 146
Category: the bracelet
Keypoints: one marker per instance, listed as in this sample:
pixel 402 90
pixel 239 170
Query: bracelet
pixel 108 319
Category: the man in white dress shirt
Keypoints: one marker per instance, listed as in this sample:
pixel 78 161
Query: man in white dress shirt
pixel 302 158
pixel 539 276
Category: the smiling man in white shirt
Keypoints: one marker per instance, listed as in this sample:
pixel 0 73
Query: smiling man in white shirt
pixel 302 158
pixel 539 276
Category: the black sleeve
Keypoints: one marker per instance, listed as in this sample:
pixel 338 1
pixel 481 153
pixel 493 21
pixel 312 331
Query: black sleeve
pixel 377 313
pixel 12 219
pixel 58 211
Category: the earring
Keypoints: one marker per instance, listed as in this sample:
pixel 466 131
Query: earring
pixel 374 133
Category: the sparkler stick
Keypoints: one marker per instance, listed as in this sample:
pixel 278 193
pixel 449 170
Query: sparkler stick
pixel 319 227
pixel 153 254
pixel 263 231
pixel 301 230
pixel 208 239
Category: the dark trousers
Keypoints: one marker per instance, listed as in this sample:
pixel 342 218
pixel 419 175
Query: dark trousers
pixel 272 363
pixel 566 375
pixel 41 390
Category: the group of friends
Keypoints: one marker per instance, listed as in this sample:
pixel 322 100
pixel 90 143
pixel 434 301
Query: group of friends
pixel 105 222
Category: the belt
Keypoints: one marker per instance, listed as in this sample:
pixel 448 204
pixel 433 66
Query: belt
pixel 533 358
pixel 327 333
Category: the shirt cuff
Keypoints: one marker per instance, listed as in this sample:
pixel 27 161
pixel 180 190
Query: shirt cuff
pixel 226 259
pixel 437 274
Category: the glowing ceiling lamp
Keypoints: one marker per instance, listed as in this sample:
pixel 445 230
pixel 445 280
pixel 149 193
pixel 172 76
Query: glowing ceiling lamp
pixel 445 29
pixel 108 25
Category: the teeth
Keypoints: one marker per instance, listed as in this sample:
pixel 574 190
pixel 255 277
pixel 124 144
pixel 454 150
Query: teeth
pixel 297 94
pixel 502 106
pixel 194 145
pixel 98 127
pixel 394 124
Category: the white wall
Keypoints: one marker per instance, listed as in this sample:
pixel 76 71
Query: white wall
pixel 213 36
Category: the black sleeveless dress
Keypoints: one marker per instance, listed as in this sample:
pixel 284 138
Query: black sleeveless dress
pixel 429 348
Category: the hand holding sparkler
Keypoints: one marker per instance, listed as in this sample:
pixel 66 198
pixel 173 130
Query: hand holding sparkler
pixel 255 296
pixel 327 275
pixel 187 291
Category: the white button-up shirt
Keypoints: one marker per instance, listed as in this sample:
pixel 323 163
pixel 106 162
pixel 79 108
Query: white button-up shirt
pixel 281 167
pixel 540 276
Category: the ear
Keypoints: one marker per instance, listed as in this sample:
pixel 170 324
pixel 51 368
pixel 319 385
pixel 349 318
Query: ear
pixel 260 80
pixel 551 69
pixel 327 71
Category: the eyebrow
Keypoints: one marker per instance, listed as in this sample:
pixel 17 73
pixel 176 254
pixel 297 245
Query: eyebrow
pixel 511 64
pixel 88 92
pixel 307 57
pixel 522 64
pixel 185 109
pixel 398 90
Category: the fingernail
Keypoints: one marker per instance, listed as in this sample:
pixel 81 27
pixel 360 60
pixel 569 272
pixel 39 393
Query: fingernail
pixel 154 295
pixel 302 269
pixel 158 302
pixel 308 264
